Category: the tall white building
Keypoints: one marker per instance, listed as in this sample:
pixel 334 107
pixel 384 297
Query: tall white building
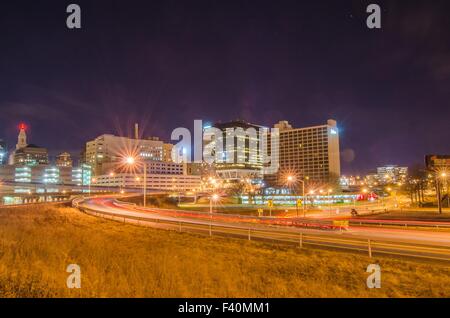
pixel 311 153
pixel 107 149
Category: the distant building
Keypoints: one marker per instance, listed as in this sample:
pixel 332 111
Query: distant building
pixel 3 153
pixel 347 182
pixel 391 174
pixel 311 153
pixel 437 162
pixel 27 154
pixel 64 160
pixel 46 174
pixel 22 138
pixel 31 155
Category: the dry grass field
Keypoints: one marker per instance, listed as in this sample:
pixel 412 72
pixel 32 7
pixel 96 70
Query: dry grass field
pixel 122 260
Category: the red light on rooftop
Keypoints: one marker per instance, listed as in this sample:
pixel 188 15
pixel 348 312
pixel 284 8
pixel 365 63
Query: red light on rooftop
pixel 22 126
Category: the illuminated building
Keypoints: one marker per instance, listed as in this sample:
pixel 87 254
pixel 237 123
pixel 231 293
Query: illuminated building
pixel 287 199
pixel 46 174
pixel 64 160
pixel 22 174
pixel 22 138
pixel 82 175
pixel 28 154
pixel 153 167
pixel 31 155
pixel 310 153
pixel 347 182
pixel 437 162
pixel 3 153
pixel 167 152
pixel 392 174
pixel 154 181
pixel 242 159
pixel 107 149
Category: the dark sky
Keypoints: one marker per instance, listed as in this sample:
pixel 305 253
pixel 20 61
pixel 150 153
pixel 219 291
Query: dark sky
pixel 166 63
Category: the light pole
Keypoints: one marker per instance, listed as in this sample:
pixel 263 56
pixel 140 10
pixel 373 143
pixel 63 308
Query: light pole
pixel 131 161
pixel 438 189
pixel 331 199
pixel 214 198
pixel 93 180
pixel 444 176
pixel 291 179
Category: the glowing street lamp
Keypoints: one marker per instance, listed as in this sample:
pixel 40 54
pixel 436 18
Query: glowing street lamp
pixel 290 179
pixel 215 198
pixel 132 161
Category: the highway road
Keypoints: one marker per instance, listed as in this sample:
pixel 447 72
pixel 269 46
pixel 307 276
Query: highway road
pixel 394 241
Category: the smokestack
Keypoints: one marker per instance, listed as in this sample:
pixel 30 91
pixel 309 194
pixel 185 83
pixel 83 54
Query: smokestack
pixel 136 131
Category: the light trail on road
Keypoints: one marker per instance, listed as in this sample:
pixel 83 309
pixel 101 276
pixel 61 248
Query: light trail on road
pixel 406 242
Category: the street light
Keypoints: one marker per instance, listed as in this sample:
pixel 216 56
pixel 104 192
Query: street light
pixel 444 176
pixel 131 161
pixel 291 179
pixel 214 198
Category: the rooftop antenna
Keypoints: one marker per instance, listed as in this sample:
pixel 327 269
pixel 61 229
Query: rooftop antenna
pixel 136 131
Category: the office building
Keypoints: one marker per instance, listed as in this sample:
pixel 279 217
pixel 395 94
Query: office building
pixel 31 155
pixel 153 167
pixel 243 158
pixel 165 182
pixel 310 153
pixel 46 174
pixel 109 149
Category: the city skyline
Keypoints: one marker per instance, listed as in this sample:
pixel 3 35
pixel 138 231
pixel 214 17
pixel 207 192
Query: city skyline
pixel 224 156
pixel 163 69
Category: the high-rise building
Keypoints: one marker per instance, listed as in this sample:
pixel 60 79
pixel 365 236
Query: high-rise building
pixel 3 152
pixel 64 160
pixel 311 153
pixel 241 159
pixel 107 149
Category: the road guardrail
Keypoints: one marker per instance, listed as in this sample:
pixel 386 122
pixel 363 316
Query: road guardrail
pixel 290 236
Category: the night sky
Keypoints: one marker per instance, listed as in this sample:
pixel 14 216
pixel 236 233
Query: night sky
pixel 166 63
